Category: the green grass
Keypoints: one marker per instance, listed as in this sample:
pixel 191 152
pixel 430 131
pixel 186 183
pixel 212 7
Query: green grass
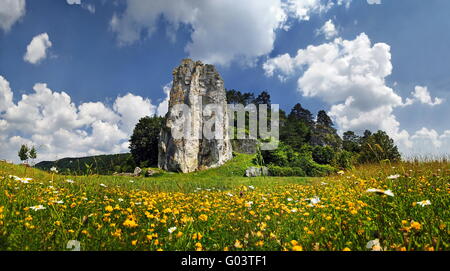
pixel 226 177
pixel 219 209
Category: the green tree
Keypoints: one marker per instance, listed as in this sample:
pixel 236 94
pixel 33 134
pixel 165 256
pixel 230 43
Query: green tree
pixel 263 98
pixel 237 97
pixel 295 133
pixel 377 147
pixel 324 134
pixel 23 153
pixel 351 142
pixel 33 153
pixel 144 141
pixel 323 155
pixel 301 114
pixel 323 119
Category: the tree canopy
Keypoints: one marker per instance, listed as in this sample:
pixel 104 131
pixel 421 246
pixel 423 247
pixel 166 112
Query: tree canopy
pixel 144 141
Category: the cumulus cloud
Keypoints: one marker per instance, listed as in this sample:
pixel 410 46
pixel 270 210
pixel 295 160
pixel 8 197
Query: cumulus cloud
pixel 6 95
pixel 222 30
pixel 88 7
pixel 163 107
pixel 131 108
pixel 37 49
pixel 350 76
pixel 328 30
pixel 428 142
pixel 10 12
pixel 422 95
pixel 302 9
pixel 373 2
pixel 284 63
pixel 59 128
pixel 74 2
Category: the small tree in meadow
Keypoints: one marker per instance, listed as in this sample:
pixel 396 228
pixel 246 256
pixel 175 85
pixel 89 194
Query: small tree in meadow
pixel 23 153
pixel 33 154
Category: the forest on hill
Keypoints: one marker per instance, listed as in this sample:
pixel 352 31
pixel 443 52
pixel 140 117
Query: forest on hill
pixel 309 145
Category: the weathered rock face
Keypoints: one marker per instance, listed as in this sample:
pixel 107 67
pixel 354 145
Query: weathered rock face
pixel 256 171
pixel 247 146
pixel 195 85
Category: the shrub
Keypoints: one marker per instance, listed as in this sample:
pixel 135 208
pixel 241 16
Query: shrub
pixel 323 155
pixel 279 157
pixel 310 167
pixel 344 160
pixel 285 171
pixel 285 157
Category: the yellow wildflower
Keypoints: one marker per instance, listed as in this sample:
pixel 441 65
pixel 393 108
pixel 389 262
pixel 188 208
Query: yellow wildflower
pixel 238 244
pixel 109 208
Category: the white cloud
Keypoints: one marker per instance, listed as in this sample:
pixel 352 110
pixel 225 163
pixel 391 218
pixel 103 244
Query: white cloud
pixel 37 49
pixel 372 2
pixel 59 128
pixel 302 9
pixel 429 143
pixel 74 2
pixel 10 12
pixel 131 108
pixel 163 107
pixel 284 63
pixel 350 76
pixel 6 95
pixel 422 95
pixel 88 7
pixel 431 135
pixel 328 30
pixel 222 30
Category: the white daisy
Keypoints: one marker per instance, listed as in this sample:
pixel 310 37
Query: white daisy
pixel 37 208
pixel 103 185
pixel 380 191
pixel 393 177
pixel 389 193
pixel 314 200
pixel 424 203
pixel 170 230
pixel 374 245
pixel 70 181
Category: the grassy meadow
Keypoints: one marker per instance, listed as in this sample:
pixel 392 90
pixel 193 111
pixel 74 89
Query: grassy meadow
pixel 386 206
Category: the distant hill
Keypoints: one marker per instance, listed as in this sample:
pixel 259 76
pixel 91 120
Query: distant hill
pixel 99 164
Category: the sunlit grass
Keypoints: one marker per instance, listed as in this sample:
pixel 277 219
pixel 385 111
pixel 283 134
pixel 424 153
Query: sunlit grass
pixel 218 209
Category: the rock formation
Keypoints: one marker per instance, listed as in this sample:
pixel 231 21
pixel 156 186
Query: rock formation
pixel 196 85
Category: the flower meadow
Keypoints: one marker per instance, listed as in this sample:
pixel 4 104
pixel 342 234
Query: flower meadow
pixel 401 207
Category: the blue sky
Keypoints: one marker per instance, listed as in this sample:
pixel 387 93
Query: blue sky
pixel 116 56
